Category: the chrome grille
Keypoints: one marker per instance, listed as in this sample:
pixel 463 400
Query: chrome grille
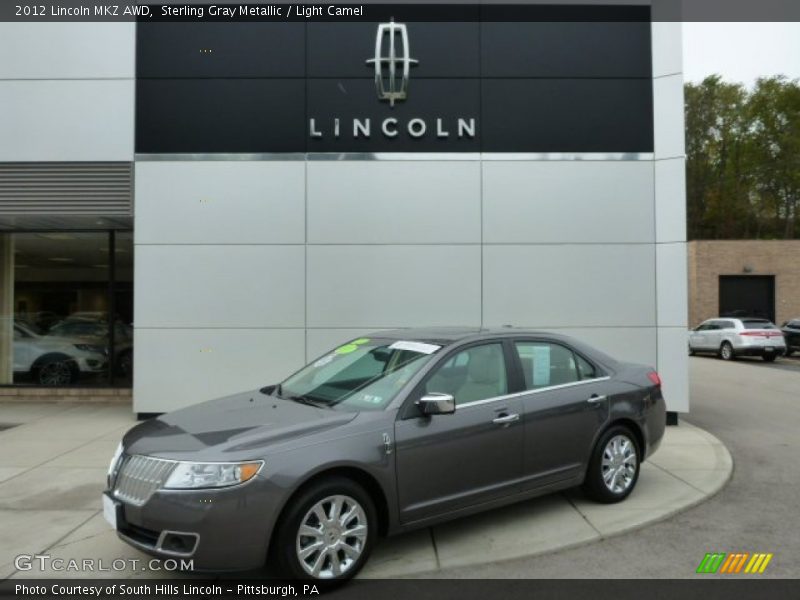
pixel 140 477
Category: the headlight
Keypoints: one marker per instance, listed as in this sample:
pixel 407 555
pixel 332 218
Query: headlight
pixel 90 348
pixel 189 475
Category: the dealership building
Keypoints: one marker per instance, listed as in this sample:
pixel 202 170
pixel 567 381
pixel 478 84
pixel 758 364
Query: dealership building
pixel 214 203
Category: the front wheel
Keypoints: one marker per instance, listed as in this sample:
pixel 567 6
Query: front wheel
pixel 769 357
pixel 328 532
pixel 614 466
pixel 56 372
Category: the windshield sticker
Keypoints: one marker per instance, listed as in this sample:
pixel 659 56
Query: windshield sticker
pixel 346 349
pixel 415 347
pixel 324 361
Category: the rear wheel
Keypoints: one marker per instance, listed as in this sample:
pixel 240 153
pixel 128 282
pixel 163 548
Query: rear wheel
pixel 726 351
pixel 614 466
pixel 769 357
pixel 328 532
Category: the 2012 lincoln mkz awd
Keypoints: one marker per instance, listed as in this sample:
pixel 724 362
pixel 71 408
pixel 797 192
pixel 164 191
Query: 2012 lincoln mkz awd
pixel 386 433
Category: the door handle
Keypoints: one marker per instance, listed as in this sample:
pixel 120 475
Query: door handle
pixel 505 419
pixel 595 399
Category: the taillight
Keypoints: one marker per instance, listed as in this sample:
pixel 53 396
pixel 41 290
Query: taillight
pixel 766 334
pixel 654 377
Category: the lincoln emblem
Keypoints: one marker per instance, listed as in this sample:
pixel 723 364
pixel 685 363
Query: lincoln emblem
pixel 392 69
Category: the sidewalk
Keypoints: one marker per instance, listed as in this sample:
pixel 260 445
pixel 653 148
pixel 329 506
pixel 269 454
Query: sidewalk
pixel 53 466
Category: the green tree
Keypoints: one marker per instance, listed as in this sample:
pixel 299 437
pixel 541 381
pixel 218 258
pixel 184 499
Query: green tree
pixel 743 159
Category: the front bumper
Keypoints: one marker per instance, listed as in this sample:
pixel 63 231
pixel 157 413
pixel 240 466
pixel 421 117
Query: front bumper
pixel 219 530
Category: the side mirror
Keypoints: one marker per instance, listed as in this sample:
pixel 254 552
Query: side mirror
pixel 437 404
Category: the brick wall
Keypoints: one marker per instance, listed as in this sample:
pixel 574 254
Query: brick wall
pixel 710 259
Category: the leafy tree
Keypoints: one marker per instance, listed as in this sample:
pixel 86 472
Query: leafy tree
pixel 743 153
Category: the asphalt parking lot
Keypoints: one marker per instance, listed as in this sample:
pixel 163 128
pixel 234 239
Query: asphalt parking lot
pixel 754 408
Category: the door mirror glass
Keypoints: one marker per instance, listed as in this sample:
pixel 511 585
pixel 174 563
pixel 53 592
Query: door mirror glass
pixel 435 403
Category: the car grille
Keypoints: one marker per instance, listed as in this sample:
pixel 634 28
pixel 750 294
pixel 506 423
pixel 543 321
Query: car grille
pixel 139 477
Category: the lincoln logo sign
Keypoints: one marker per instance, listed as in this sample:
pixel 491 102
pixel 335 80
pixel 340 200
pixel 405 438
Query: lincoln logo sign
pixel 392 65
pixel 392 61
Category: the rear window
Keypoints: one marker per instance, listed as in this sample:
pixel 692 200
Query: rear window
pixel 758 325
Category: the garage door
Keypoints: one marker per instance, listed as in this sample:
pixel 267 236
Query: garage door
pixel 747 296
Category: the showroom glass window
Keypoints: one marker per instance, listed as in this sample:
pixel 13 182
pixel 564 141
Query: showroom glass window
pixel 66 310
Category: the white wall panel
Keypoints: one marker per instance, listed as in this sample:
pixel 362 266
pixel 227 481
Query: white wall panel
pixel 667 37
pixel 569 285
pixel 673 366
pixel 66 120
pixel 41 50
pixel 634 344
pixel 670 200
pixel 389 202
pixel 219 286
pixel 225 202
pixel 672 285
pixel 567 201
pixel 179 367
pixel 389 286
pixel 668 117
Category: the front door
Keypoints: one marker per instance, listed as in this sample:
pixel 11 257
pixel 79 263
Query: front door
pixel 449 462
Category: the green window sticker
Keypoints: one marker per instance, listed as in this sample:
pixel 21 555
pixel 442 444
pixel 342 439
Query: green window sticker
pixel 360 341
pixel 346 349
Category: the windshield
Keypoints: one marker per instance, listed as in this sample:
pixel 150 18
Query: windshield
pixel 365 374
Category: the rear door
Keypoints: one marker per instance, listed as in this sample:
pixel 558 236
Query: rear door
pixel 565 407
pixel 449 462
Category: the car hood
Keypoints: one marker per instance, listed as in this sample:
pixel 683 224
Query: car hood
pixel 236 427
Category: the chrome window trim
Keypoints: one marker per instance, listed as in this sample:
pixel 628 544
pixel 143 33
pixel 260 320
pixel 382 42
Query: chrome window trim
pixel 529 392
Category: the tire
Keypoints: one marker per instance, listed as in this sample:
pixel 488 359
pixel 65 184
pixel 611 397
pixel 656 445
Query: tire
pixel 769 357
pixel 55 371
pixel 691 352
pixel 303 510
pixel 726 351
pixel 602 466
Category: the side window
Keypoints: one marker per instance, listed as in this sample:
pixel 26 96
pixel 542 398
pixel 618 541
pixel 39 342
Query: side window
pixel 545 364
pixel 586 369
pixel 477 373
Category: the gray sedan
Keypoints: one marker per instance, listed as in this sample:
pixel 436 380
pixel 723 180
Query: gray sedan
pixel 387 433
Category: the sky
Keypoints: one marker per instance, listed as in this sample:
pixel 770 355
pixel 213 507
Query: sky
pixel 741 52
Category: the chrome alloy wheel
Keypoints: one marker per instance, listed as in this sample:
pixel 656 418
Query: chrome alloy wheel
pixel 331 537
pixel 619 464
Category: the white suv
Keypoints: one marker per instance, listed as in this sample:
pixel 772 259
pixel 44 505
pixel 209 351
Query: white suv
pixel 729 338
pixel 53 360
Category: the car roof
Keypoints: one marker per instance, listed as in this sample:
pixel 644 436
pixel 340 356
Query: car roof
pixel 451 335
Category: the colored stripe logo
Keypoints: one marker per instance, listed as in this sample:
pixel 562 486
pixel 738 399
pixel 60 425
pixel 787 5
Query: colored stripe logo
pixel 734 562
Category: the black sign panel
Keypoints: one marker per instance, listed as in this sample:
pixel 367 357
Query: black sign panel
pixel 262 87
pixel 220 115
